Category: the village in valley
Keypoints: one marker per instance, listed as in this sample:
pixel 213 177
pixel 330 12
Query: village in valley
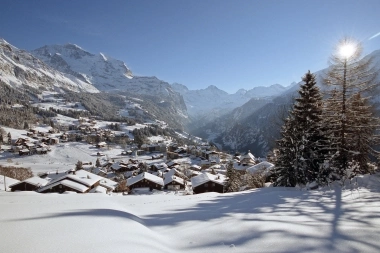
pixel 87 155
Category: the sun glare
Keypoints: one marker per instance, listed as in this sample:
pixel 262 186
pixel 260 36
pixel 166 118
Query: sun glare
pixel 347 49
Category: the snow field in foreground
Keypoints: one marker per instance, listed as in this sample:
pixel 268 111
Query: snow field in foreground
pixel 262 220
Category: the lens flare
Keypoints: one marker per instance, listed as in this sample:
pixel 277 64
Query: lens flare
pixel 347 49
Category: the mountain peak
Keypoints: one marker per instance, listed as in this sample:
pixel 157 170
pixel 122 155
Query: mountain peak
pixel 72 46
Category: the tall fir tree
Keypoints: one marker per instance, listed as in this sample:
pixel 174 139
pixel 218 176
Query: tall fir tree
pixel 351 80
pixel 303 144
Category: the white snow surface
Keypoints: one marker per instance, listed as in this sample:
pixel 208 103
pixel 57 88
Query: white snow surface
pixel 263 220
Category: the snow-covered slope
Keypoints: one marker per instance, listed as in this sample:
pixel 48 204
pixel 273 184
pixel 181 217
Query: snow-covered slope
pixel 19 68
pixel 262 220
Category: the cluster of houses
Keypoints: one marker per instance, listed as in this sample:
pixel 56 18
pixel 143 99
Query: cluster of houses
pixel 137 174
pixel 35 143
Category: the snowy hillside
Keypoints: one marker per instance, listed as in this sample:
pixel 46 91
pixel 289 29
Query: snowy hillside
pixel 262 220
pixel 19 68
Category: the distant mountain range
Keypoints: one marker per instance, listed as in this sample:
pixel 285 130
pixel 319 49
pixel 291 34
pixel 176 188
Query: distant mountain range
pixel 201 103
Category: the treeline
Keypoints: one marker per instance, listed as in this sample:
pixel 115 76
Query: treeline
pixel 18 173
pixel 155 108
pixel 103 105
pixel 141 134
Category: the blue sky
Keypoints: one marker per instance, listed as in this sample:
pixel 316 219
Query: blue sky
pixel 231 44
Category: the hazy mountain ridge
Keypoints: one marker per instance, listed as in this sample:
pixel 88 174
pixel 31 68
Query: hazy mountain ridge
pixel 205 105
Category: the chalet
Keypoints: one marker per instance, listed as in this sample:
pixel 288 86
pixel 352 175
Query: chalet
pixel 173 181
pixel 207 182
pixel 30 184
pixel 157 156
pixel 80 181
pixel 172 164
pixel 21 141
pixel 24 151
pixel 172 147
pixel 140 152
pixel 101 144
pixel 172 155
pixel 145 180
pixel 126 152
pixel 247 159
pixel 158 166
pixel 212 156
pixel 119 167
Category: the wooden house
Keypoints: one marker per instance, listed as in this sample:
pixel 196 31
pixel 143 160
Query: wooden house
pixel 248 159
pixel 207 182
pixel 30 184
pixel 174 181
pixel 80 181
pixel 24 151
pixel 145 180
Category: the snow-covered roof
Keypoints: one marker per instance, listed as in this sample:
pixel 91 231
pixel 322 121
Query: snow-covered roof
pixel 169 179
pixel 99 189
pixel 207 177
pixel 68 183
pixel 8 181
pixel 36 181
pixel 248 156
pixel 147 176
pixel 170 176
pixel 260 166
pixel 108 183
pixel 81 176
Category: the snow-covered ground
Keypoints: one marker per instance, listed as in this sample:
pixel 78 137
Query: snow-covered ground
pixel 262 220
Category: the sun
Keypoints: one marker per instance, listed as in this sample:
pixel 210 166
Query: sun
pixel 347 49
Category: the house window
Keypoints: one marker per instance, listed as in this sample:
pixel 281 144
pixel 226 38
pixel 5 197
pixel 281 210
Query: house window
pixel 206 184
pixel 213 184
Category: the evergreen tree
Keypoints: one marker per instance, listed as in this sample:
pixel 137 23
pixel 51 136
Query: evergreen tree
pixel 97 163
pixel 302 147
pixel 307 114
pixel 287 159
pixel 232 181
pixel 9 138
pixel 79 165
pixel 362 132
pixel 352 78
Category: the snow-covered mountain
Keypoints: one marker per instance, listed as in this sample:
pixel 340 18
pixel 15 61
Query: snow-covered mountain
pixel 100 70
pixel 205 105
pixel 20 68
pixel 111 75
